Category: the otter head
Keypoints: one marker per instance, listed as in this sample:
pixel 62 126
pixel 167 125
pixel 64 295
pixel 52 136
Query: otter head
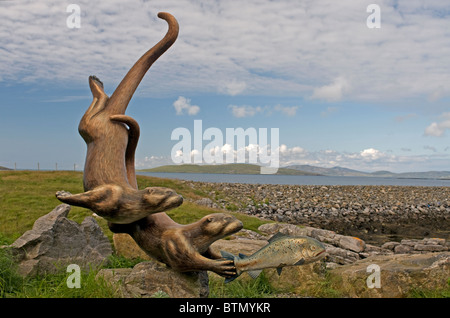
pixel 219 225
pixel 161 199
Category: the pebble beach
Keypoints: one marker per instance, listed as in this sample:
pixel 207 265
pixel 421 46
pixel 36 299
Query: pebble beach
pixel 376 214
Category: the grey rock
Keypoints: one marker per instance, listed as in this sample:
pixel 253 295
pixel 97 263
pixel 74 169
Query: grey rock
pixel 429 248
pixel 352 243
pixel 399 274
pixel 55 242
pixel 207 202
pixel 403 249
pixel 390 245
pixel 152 279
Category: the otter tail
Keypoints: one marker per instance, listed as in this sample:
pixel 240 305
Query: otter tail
pixel 133 137
pixel 122 95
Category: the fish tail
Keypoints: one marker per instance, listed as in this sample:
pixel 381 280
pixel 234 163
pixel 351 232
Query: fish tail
pixel 233 258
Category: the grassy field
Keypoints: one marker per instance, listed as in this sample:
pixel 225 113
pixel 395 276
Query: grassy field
pixel 232 168
pixel 27 195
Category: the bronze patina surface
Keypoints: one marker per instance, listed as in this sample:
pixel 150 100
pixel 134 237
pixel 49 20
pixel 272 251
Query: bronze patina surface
pixel 110 184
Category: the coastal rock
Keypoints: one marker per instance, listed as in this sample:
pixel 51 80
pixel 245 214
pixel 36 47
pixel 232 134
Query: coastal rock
pixel 399 275
pixel 288 229
pixel 207 202
pixel 352 243
pixel 372 213
pixel 425 245
pixel 54 242
pixel 153 279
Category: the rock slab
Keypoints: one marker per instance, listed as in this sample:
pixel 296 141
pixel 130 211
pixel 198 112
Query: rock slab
pixel 399 275
pixel 54 242
pixel 154 279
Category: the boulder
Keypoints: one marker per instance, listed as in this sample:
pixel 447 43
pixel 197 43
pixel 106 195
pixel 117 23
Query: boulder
pixel 288 229
pixel 54 242
pixel 154 279
pixel 352 243
pixel 399 274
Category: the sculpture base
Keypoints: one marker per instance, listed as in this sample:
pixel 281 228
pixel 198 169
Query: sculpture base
pixel 154 279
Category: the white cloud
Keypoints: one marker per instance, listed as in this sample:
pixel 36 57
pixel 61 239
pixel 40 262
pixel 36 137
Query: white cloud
pixel 273 47
pixel 368 160
pixel 183 104
pixel 234 88
pixel 438 129
pixel 332 92
pixel 244 111
pixel 287 110
pixel 250 111
pixel 371 154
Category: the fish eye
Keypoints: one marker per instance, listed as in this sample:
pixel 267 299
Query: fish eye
pixel 313 247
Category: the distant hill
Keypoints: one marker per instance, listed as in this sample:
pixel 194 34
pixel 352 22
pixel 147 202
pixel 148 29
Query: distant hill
pixel 339 171
pixel 232 168
pixel 4 168
pixel 335 171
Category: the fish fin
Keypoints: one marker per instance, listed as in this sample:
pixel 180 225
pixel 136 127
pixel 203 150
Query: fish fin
pixel 255 273
pixel 227 255
pixel 230 257
pixel 277 236
pixel 300 262
pixel 279 269
pixel 242 255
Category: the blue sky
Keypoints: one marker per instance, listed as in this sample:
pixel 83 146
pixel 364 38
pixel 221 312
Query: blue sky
pixel 341 94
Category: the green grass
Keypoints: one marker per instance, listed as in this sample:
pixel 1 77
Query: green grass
pixel 418 292
pixel 27 195
pixel 10 280
pixel 12 285
pixel 241 288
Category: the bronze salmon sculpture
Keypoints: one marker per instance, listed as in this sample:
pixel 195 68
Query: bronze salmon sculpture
pixel 282 250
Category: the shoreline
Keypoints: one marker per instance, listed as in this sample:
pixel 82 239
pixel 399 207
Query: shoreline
pixel 376 214
pixel 299 179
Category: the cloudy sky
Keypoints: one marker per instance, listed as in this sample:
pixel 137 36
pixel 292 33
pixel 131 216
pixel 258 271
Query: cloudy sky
pixel 340 93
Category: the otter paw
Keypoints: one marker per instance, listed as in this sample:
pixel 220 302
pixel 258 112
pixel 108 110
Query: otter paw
pixel 224 268
pixel 63 194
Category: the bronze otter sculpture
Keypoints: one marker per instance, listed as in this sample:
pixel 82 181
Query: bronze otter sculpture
pixel 183 248
pixel 109 173
pixel 111 188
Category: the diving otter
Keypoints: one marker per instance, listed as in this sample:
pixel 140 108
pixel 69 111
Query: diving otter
pixel 109 174
pixel 184 248
pixel 111 187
